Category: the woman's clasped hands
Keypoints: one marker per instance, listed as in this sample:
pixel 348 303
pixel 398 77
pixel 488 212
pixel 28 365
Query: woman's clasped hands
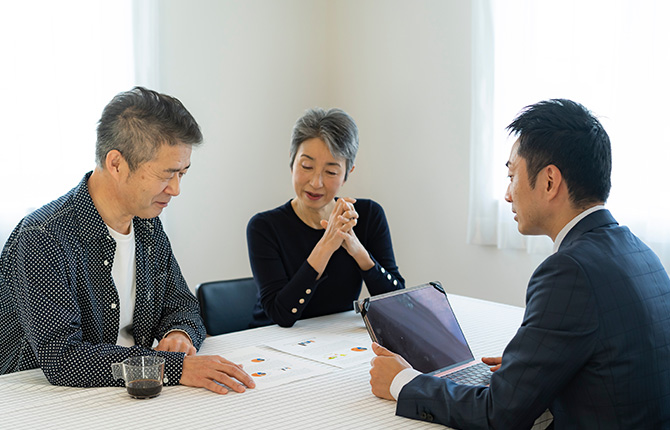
pixel 339 231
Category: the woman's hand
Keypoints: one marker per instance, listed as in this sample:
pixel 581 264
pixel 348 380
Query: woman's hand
pixel 356 249
pixel 331 239
pixel 342 219
pixel 346 221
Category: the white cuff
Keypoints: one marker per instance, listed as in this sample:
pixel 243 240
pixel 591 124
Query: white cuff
pixel 401 379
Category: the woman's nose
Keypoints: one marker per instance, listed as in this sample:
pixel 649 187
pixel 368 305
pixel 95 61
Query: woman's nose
pixel 316 180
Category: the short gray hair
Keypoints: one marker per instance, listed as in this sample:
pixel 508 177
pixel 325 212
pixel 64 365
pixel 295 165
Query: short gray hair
pixel 137 122
pixel 335 127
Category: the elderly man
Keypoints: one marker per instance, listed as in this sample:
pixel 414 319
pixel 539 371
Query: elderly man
pixel 90 278
pixel 594 344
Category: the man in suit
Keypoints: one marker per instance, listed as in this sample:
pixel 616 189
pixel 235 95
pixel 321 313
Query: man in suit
pixel 594 345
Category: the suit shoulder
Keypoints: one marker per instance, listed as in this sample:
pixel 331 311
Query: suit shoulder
pixel 607 245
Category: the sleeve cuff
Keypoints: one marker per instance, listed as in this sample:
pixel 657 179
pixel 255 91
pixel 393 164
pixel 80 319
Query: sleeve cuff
pixel 377 274
pixel 174 365
pixel 401 379
pixel 180 331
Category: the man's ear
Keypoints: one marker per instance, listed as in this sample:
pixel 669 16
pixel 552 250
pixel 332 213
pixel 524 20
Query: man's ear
pixel 114 163
pixel 552 180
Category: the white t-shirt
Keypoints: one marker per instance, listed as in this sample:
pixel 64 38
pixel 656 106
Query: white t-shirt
pixel 123 274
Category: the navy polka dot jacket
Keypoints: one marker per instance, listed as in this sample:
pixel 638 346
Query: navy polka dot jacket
pixel 59 306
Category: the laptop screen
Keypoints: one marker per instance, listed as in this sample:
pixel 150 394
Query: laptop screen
pixel 419 324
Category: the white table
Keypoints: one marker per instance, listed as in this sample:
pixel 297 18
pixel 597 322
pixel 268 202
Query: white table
pixel 337 400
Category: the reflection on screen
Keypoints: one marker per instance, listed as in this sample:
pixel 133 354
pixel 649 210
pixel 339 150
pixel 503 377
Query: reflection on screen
pixel 421 327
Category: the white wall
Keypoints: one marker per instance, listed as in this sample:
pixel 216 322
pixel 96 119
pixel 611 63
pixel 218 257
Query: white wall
pixel 247 69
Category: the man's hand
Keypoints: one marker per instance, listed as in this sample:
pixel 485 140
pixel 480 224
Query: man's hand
pixel 206 370
pixel 385 366
pixel 176 341
pixel 496 362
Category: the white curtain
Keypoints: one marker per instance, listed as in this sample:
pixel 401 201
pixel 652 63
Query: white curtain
pixel 62 61
pixel 610 55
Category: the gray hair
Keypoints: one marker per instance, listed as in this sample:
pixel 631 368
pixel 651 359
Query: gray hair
pixel 335 127
pixel 137 122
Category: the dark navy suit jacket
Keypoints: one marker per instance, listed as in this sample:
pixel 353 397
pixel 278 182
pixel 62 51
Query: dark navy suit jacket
pixel 594 345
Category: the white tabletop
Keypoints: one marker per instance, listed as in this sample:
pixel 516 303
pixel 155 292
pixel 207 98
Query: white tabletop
pixel 338 400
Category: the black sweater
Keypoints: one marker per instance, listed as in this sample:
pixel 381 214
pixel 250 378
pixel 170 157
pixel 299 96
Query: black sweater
pixel 279 243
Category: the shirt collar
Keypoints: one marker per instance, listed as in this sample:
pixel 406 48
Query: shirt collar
pixel 564 231
pixel 91 224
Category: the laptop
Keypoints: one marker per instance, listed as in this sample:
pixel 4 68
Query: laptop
pixel 419 324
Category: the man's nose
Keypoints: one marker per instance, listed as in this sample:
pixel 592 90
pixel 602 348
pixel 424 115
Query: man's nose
pixel 173 186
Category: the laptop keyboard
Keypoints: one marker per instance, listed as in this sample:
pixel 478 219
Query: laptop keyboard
pixel 477 374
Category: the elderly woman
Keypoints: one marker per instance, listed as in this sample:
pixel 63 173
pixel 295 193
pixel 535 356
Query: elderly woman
pixel 310 255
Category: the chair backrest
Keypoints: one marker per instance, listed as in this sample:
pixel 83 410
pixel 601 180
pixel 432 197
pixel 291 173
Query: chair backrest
pixel 226 306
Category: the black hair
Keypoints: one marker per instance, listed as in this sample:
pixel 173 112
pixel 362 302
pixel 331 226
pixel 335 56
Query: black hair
pixel 566 134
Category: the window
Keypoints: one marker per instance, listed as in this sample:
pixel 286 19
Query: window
pixel 62 63
pixel 609 55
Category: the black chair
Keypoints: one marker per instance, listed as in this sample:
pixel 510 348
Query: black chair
pixel 226 306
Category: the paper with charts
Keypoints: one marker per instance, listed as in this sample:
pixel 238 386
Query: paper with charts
pixel 337 351
pixel 271 368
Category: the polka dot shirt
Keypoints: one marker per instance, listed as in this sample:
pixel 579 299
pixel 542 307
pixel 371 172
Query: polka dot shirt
pixel 59 308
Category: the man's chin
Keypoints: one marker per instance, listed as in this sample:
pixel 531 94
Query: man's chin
pixel 153 213
pixel 527 232
pixel 521 228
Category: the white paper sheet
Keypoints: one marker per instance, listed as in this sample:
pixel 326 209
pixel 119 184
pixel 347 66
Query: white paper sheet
pixel 271 368
pixel 333 350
